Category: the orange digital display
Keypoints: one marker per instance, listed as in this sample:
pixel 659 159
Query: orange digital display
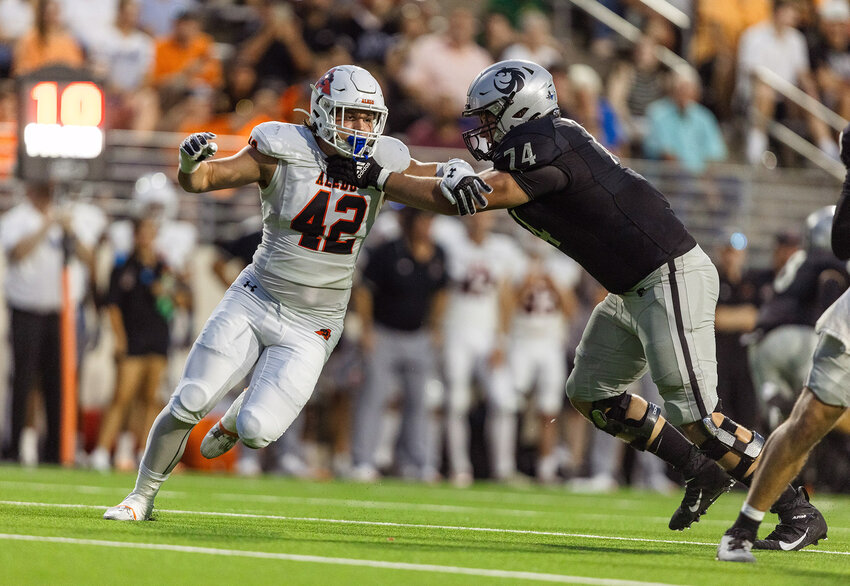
pixel 64 120
pixel 61 125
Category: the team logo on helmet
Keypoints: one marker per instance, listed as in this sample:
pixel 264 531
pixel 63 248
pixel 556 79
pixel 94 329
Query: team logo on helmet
pixel 324 84
pixel 509 80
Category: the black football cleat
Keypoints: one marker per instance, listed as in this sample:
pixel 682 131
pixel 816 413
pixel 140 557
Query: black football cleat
pixel 800 524
pixel 708 482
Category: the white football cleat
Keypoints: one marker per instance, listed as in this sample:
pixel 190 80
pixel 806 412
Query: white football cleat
pixel 219 438
pixel 133 508
pixel 218 441
pixel 736 546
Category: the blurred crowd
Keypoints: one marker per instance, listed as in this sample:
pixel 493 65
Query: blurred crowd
pixel 225 66
pixel 460 334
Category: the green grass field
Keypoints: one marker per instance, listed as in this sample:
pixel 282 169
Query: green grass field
pixel 226 530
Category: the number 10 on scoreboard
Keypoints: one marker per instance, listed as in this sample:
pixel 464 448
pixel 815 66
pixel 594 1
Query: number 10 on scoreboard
pixel 64 121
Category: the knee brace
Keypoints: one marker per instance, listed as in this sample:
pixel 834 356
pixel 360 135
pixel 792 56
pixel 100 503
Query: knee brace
pixel 724 439
pixel 191 401
pixel 609 415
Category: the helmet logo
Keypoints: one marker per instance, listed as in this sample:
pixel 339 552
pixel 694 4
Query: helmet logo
pixel 509 80
pixel 324 84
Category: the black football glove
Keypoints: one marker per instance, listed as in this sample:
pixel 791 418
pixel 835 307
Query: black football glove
pixel 844 146
pixel 360 174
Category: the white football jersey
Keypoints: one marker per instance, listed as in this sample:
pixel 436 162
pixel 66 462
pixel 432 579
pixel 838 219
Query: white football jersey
pixel 539 314
pixel 476 273
pixel 313 228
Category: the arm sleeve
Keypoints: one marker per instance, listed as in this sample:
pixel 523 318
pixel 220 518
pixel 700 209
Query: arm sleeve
pixel 542 181
pixel 841 223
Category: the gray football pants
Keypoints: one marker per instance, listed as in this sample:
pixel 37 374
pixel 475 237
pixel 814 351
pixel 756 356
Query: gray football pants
pixel 400 360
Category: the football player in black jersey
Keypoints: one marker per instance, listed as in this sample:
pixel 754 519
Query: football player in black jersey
pixel 825 398
pixel 560 184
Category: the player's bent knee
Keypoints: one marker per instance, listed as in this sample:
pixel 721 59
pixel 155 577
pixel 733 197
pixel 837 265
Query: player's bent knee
pixel 726 436
pixel 255 429
pixel 191 401
pixel 610 415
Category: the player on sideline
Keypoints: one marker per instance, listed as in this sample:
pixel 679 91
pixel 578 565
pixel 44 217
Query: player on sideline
pixel 284 313
pixel 561 185
pixel 823 400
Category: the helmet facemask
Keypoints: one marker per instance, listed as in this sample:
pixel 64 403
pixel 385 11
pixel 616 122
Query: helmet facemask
pixel 504 96
pixel 337 93
pixel 483 139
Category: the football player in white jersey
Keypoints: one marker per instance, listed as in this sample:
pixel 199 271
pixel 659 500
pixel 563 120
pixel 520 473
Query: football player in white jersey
pixel 284 313
pixel 477 319
pixel 537 353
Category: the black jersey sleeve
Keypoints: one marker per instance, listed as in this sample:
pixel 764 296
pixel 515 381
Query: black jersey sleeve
pixel 541 181
pixel 841 223
pixel 530 153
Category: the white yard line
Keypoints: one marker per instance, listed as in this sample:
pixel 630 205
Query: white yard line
pixel 483 572
pixel 400 525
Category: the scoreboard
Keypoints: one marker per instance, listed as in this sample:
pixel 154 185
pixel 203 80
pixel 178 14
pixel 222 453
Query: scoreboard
pixel 61 134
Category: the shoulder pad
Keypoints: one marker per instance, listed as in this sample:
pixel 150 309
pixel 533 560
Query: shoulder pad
pixel 528 146
pixel 290 142
pixel 391 154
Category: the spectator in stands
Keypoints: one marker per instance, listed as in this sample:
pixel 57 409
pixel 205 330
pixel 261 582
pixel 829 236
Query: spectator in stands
pixel 16 18
pixel 143 293
pixel 158 17
pixel 438 128
pixel 88 21
pixel 442 65
pixel 633 85
pixel 681 129
pixel 400 304
pixel 735 315
pixel 124 59
pixel 372 25
pixel 499 34
pixel 184 60
pixel 780 48
pixel 46 43
pixel 33 235
pixel 831 56
pixel 536 42
pixel 718 27
pixel 277 51
pixel 592 110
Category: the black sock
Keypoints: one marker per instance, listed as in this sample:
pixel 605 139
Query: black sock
pixel 749 525
pixel 672 447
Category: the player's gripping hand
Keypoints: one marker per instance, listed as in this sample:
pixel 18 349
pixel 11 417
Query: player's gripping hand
pixel 463 188
pixel 196 148
pixel 359 173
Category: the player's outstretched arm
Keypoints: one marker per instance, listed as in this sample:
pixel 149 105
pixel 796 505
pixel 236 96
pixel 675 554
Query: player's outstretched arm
pixel 198 173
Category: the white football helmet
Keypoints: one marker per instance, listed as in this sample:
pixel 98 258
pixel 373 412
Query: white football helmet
pixel 819 229
pixel 347 86
pixel 511 92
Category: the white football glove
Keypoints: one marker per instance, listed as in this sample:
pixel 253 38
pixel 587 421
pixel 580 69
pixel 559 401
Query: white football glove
pixel 462 187
pixel 194 149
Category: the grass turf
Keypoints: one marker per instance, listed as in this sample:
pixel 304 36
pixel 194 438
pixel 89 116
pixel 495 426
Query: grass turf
pixel 220 529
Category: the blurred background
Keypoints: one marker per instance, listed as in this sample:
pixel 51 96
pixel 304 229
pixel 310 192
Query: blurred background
pixel 731 107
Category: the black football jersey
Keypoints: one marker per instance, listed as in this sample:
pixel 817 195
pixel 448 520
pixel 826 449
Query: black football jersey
pixel 806 286
pixel 608 218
